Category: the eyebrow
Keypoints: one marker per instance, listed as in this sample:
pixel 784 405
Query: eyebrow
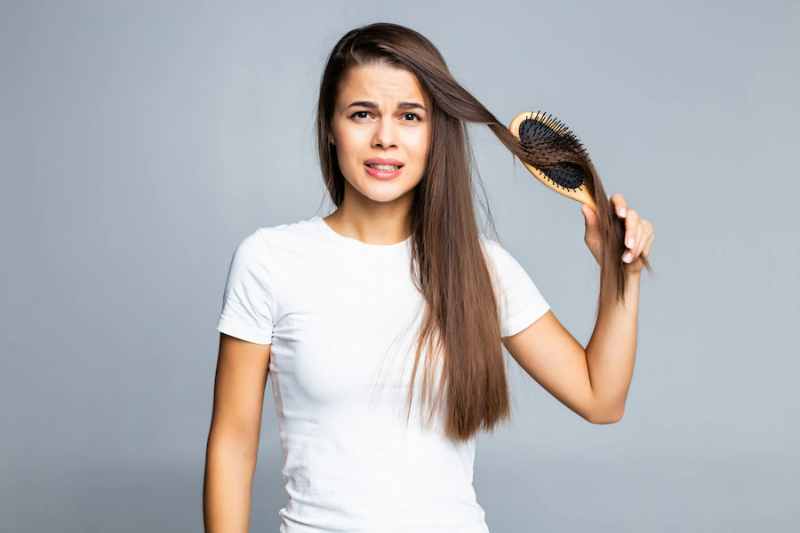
pixel 400 105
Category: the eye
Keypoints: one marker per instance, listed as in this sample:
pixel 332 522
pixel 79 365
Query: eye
pixel 417 118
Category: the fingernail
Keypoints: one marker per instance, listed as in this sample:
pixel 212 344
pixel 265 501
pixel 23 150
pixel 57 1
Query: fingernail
pixel 630 242
pixel 627 257
pixel 622 211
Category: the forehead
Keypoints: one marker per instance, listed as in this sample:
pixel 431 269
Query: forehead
pixel 380 82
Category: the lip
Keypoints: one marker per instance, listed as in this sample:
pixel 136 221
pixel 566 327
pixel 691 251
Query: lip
pixel 383 174
pixel 381 161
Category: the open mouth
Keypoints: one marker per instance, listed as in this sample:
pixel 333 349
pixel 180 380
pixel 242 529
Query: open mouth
pixel 389 168
pixel 383 172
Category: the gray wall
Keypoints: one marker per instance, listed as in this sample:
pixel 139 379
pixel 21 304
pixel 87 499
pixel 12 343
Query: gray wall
pixel 141 141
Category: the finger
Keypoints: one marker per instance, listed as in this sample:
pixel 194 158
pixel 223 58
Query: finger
pixel 649 236
pixel 641 240
pixel 631 228
pixel 620 207
pixel 588 214
pixel 631 251
pixel 646 251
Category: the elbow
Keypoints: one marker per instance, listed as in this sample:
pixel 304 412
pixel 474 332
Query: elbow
pixel 606 420
pixel 610 417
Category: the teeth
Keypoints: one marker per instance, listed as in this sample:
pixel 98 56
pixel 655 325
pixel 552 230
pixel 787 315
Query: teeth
pixel 384 167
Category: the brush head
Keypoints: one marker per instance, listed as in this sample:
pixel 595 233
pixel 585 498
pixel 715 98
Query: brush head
pixel 553 149
pixel 555 156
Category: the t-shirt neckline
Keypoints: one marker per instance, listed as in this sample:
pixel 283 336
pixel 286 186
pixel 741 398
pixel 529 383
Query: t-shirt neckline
pixel 355 242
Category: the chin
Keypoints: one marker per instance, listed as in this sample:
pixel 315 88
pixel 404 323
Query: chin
pixel 384 196
pixel 383 192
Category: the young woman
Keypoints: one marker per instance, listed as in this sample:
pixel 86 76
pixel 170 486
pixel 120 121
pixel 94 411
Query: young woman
pixel 381 324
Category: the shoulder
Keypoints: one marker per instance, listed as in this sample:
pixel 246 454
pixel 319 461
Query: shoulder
pixel 495 251
pixel 489 243
pixel 251 250
pixel 289 236
pixel 268 240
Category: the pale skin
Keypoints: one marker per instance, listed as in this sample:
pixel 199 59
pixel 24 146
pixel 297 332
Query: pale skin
pixel 382 124
pixel 592 382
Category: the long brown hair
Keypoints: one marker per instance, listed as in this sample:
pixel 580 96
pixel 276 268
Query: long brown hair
pixel 461 324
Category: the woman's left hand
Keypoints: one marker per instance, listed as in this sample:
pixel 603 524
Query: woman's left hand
pixel 638 233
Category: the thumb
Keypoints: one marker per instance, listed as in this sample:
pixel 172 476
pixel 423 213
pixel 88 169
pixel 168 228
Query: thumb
pixel 589 216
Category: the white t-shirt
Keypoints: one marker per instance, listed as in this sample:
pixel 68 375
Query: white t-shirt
pixel 341 315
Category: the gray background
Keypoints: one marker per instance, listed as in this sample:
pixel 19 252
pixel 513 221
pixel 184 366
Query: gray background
pixel 141 141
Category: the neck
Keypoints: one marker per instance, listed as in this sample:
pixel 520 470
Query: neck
pixel 379 223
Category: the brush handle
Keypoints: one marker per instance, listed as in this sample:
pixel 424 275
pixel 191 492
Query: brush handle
pixel 579 195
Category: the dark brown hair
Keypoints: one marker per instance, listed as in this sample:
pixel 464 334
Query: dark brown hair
pixel 461 324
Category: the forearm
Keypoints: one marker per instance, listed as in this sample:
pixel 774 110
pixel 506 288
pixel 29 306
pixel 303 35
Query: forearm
pixel 611 352
pixel 227 488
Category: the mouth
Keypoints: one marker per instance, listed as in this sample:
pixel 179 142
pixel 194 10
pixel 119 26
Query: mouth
pixel 384 167
pixel 384 172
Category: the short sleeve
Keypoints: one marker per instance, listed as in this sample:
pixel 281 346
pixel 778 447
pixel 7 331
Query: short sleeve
pixel 247 300
pixel 520 301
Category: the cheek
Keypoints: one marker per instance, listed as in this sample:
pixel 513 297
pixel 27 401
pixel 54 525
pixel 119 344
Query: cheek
pixel 350 146
pixel 419 149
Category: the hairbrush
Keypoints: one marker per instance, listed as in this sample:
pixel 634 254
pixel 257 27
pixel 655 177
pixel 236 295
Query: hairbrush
pixel 556 156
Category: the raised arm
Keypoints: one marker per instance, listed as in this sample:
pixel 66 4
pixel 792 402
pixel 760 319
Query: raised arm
pixel 232 448
pixel 594 382
pixel 552 356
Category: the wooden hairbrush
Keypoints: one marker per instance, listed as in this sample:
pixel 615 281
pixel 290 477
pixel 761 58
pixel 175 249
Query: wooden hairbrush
pixel 542 137
pixel 556 157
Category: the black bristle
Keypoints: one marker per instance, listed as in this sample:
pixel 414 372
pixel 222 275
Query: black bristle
pixel 546 139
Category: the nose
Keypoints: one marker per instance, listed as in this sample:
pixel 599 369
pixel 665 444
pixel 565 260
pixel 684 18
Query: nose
pixel 385 135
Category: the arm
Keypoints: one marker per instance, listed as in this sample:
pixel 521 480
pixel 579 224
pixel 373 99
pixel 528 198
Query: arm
pixel 232 448
pixel 593 382
pixel 611 351
pixel 552 357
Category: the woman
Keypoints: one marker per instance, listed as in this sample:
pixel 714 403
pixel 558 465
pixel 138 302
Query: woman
pixel 394 300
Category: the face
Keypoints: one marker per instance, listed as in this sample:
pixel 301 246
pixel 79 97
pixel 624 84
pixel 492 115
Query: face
pixel 381 113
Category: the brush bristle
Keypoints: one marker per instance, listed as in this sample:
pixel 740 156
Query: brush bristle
pixel 550 146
